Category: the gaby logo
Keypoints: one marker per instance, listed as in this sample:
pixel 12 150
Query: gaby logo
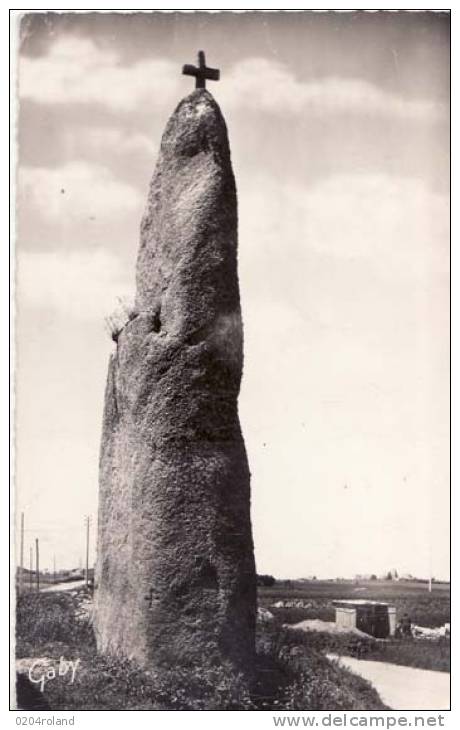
pixel 39 672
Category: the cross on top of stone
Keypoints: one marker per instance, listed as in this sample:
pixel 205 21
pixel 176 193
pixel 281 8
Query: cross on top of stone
pixel 201 72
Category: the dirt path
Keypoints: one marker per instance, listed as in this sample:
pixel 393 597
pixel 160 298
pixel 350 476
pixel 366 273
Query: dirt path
pixel 69 586
pixel 403 688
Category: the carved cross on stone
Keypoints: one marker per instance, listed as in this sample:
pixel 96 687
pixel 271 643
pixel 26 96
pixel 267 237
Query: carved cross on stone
pixel 202 72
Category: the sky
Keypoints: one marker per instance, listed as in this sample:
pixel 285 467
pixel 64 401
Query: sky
pixel 339 132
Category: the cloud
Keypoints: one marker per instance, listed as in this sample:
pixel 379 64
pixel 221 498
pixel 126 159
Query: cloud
pixel 395 225
pixel 115 141
pixel 344 259
pixel 345 297
pixel 76 71
pixel 391 220
pixel 261 85
pixel 74 191
pixel 81 285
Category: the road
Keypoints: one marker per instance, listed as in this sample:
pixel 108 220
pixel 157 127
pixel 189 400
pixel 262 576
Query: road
pixel 68 586
pixel 403 688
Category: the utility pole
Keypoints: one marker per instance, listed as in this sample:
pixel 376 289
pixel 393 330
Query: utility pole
pixel 54 568
pixel 431 571
pixel 37 564
pixel 87 519
pixel 21 556
pixel 31 567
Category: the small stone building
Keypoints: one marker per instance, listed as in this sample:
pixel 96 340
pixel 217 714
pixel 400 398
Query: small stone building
pixel 372 617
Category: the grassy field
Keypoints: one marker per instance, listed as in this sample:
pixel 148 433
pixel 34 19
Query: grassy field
pixel 289 674
pixel 424 608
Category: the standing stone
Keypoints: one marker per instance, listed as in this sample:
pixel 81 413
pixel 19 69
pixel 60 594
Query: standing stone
pixel 175 578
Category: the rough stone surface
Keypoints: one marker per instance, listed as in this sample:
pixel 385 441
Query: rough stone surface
pixel 175 577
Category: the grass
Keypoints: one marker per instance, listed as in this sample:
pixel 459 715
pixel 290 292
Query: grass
pixel 424 608
pixel 290 675
pixel 45 620
pixel 422 653
pixel 419 653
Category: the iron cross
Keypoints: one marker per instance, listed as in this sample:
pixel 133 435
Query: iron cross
pixel 201 72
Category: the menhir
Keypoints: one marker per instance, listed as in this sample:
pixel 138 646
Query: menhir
pixel 175 577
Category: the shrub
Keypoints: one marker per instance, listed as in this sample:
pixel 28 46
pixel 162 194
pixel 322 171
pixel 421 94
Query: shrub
pixel 124 313
pixel 294 615
pixel 42 618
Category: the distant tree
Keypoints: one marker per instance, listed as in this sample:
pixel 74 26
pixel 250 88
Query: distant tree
pixel 266 580
pixel 373 576
pixel 389 575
